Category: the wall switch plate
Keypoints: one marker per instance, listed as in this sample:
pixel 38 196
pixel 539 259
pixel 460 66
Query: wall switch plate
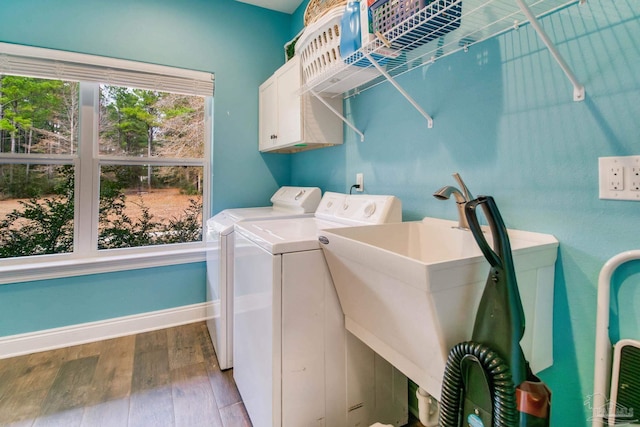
pixel 360 181
pixel 619 177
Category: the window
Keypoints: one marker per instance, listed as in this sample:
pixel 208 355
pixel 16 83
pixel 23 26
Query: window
pixel 38 147
pixel 100 156
pixel 151 167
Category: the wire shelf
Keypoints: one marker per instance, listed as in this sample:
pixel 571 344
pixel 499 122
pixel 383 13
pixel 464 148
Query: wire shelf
pixel 441 28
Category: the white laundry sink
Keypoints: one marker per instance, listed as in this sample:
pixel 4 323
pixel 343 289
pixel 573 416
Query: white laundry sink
pixel 411 290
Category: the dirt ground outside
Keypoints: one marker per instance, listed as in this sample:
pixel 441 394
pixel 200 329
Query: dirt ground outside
pixel 163 204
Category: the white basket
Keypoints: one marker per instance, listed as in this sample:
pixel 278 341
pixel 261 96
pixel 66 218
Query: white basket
pixel 319 51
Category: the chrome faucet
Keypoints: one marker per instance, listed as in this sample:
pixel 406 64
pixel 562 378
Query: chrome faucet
pixel 462 197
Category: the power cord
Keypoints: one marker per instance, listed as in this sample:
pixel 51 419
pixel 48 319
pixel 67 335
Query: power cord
pixel 356 186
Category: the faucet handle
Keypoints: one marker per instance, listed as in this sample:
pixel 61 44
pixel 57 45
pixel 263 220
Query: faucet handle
pixel 463 187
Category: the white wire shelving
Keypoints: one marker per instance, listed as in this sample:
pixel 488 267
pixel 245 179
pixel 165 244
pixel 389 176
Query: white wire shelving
pixel 440 29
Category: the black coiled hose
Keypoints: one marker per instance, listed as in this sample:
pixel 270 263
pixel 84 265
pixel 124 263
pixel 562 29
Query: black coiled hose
pixel 498 374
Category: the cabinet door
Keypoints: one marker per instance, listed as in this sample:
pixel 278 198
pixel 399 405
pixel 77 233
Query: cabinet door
pixel 268 114
pixel 289 104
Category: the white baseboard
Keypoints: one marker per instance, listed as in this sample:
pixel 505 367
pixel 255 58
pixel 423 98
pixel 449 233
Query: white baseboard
pixel 49 339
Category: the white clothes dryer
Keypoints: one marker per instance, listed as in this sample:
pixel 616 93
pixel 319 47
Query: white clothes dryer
pixel 286 202
pixel 294 362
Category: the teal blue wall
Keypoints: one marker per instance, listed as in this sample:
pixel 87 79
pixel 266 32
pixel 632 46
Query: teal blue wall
pixel 297 19
pixel 505 119
pixel 242 45
pixel 32 306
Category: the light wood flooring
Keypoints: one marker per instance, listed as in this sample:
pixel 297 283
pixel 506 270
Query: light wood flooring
pixel 162 378
pixel 168 377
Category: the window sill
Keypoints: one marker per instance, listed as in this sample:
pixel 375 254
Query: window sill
pixel 32 269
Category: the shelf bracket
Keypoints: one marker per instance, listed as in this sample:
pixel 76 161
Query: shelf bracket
pixel 337 113
pixel 399 88
pixel 578 89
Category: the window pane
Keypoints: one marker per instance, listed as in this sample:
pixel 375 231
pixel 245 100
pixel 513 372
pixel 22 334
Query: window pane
pixel 36 209
pixel 38 116
pixel 136 122
pixel 149 205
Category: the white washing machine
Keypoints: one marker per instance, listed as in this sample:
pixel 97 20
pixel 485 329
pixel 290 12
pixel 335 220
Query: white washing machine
pixel 294 362
pixel 286 202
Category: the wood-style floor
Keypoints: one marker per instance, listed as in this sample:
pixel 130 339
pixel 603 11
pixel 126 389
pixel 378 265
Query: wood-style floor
pixel 162 378
pixel 168 377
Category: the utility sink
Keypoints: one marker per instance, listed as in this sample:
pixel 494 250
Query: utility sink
pixel 410 290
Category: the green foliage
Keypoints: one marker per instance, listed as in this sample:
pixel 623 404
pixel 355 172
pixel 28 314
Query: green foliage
pixel 45 226
pixel 48 229
pixel 117 230
pixel 21 181
pixel 188 188
pixel 187 227
pixel 41 116
pixel 42 226
pixel 122 176
pixel 28 104
pixel 133 117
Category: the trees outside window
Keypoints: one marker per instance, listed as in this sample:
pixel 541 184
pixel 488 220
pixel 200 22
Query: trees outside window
pixel 124 168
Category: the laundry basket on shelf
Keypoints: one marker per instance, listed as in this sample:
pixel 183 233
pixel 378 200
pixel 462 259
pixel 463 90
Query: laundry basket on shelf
pixel 322 66
pixel 317 8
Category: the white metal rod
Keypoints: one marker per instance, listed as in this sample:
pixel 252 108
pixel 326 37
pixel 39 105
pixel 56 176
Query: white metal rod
pixel 578 89
pixel 603 343
pixel 337 113
pixel 399 88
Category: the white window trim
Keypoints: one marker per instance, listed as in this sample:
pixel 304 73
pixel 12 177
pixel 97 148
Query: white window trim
pixel 45 267
pixel 86 258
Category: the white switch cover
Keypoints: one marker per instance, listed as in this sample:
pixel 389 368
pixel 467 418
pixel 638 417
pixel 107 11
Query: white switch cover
pixel 619 177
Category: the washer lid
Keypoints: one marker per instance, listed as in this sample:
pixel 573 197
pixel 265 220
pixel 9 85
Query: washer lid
pixel 287 202
pixel 285 235
pixel 223 222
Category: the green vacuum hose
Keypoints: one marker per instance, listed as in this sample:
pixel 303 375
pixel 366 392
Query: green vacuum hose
pixel 505 413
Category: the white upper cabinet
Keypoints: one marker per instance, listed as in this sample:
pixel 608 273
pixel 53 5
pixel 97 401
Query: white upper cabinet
pixel 291 121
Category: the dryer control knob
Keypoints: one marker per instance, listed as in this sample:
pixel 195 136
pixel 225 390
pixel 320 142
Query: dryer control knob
pixel 369 209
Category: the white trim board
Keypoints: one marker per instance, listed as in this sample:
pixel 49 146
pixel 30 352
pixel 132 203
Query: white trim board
pixel 49 339
pixel 41 268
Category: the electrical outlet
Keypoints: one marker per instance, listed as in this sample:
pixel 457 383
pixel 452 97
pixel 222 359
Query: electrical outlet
pixel 616 178
pixel 635 178
pixel 360 181
pixel 619 177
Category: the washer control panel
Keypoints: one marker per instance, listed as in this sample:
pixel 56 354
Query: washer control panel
pixel 359 208
pixel 304 199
